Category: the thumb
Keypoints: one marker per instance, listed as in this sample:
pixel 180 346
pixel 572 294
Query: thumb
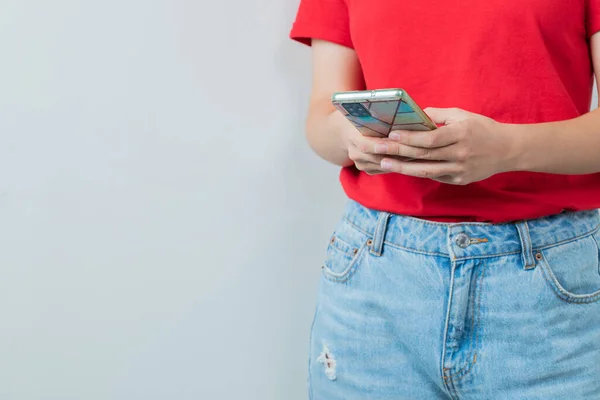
pixel 446 116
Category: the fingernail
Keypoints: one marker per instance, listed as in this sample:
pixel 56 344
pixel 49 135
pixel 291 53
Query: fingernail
pixel 386 164
pixel 381 148
pixel 394 136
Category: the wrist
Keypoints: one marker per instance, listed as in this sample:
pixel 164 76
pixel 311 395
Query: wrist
pixel 517 139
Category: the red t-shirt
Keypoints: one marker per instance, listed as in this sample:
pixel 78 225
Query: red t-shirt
pixel 514 61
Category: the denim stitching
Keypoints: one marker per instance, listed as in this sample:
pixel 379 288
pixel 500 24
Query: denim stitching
pixel 476 314
pixel 473 257
pixel 428 253
pixel 528 257
pixel 454 395
pixel 597 245
pixel 348 272
pixel 332 245
pixel 573 239
pixel 379 237
pixel 485 256
pixel 454 224
pixel 563 294
pixel 596 240
pixel 311 336
pixel 474 355
pixel 357 227
pixel 386 243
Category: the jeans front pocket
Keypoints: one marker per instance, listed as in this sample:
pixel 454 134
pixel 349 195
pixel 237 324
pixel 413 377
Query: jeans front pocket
pixel 347 247
pixel 573 269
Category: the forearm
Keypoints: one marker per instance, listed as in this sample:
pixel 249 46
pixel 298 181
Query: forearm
pixel 324 129
pixel 567 147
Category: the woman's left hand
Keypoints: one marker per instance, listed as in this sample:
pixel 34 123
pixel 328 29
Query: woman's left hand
pixel 467 148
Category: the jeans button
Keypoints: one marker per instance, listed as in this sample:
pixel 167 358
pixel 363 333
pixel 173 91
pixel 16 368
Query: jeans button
pixel 463 240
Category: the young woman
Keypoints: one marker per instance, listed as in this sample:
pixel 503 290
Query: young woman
pixel 473 272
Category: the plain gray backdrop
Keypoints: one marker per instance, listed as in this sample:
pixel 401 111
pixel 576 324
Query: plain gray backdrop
pixel 162 220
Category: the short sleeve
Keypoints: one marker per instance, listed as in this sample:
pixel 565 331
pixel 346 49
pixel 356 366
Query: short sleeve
pixel 322 19
pixel 592 17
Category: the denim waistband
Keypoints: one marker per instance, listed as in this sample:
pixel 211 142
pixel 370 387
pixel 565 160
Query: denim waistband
pixel 470 239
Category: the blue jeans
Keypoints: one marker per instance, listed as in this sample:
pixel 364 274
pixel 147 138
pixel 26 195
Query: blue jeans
pixel 411 309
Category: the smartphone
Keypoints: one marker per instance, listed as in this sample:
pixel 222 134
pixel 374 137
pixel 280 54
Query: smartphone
pixel 378 112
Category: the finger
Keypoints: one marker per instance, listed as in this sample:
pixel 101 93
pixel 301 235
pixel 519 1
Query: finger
pixel 444 136
pixel 446 116
pixel 365 151
pixel 447 153
pixel 370 168
pixel 458 180
pixel 366 144
pixel 375 171
pixel 421 169
pixel 357 156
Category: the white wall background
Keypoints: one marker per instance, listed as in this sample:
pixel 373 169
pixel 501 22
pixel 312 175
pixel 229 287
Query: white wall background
pixel 161 217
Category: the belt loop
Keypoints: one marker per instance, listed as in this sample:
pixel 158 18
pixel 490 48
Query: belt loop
pixel 379 238
pixel 526 246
